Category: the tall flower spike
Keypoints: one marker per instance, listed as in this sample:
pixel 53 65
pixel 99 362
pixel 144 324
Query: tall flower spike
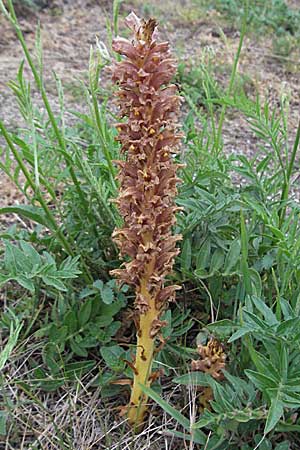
pixel 149 105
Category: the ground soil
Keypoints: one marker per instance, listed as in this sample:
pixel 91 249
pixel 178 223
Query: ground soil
pixel 70 28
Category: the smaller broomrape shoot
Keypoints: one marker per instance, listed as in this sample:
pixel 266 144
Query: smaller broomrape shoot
pixel 147 188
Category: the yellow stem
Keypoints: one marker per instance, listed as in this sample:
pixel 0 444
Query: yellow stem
pixel 143 362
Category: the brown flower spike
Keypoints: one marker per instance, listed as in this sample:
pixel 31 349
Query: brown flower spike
pixel 149 105
pixel 212 361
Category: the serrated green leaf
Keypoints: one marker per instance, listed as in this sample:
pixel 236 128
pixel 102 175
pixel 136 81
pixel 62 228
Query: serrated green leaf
pixel 98 284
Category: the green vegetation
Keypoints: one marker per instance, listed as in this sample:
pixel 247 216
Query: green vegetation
pixel 66 327
pixel 274 15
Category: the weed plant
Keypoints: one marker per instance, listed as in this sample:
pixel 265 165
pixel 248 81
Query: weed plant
pixel 66 327
pixel 275 15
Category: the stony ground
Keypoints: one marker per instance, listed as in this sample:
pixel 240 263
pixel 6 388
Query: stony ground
pixel 70 28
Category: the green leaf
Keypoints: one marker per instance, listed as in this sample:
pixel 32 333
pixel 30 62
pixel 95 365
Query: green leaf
pixel 75 369
pixel 291 400
pixel 274 414
pixel 276 232
pixel 70 321
pixel 268 314
pixel 77 348
pixel 288 427
pixel 13 259
pixel 25 282
pixel 222 327
pixel 3 420
pixel 98 284
pixel 207 418
pixel 288 327
pixel 193 379
pixel 262 364
pixel 254 321
pixel 51 358
pixel 27 267
pixel 284 361
pixel 256 283
pixel 184 436
pixel 107 295
pixel 113 356
pixel 244 260
pixel 29 212
pixel 30 253
pixel 15 328
pixel 103 321
pixel 54 281
pixel 260 380
pixel 217 260
pixel 239 333
pixel 232 257
pixel 58 335
pixel 186 255
pixel 283 445
pixel 4 279
pixel 85 312
pixel 183 421
pixel 203 257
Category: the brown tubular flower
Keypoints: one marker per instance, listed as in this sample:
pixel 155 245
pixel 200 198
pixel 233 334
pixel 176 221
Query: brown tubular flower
pixel 147 187
pixel 212 361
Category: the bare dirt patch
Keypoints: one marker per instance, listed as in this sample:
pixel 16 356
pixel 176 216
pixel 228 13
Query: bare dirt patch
pixel 69 30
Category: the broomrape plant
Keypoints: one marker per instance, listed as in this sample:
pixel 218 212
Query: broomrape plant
pixel 148 181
